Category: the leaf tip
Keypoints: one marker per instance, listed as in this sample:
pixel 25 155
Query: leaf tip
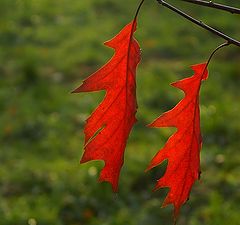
pixel 148 168
pixel 76 90
pixel 127 30
pixel 150 125
pixel 201 69
pixel 73 92
pixel 83 160
pixel 114 185
pixel 176 214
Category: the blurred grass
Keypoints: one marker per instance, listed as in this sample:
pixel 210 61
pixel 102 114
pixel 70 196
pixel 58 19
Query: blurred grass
pixel 46 49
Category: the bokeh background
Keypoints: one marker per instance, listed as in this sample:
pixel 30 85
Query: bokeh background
pixel 47 47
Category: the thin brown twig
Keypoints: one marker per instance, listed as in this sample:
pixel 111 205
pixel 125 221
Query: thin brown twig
pixel 214 5
pixel 229 39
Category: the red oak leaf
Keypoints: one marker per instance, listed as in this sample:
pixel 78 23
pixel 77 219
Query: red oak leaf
pixel 108 127
pixel 182 149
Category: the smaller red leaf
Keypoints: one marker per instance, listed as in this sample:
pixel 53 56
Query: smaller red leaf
pixel 183 147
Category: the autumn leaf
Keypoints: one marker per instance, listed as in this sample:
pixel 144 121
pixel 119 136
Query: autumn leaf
pixel 108 127
pixel 182 149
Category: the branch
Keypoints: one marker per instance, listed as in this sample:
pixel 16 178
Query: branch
pixel 215 5
pixel 200 23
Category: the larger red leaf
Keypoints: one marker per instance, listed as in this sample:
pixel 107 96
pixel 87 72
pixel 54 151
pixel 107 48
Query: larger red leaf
pixel 183 147
pixel 108 128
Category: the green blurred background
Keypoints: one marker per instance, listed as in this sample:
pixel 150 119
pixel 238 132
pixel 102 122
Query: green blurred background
pixel 47 47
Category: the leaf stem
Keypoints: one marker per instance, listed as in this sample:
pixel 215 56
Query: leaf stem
pixel 138 9
pixel 215 50
pixel 211 4
pixel 230 40
pixel 213 53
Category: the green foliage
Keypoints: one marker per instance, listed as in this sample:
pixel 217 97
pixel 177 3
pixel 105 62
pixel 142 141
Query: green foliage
pixel 46 49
